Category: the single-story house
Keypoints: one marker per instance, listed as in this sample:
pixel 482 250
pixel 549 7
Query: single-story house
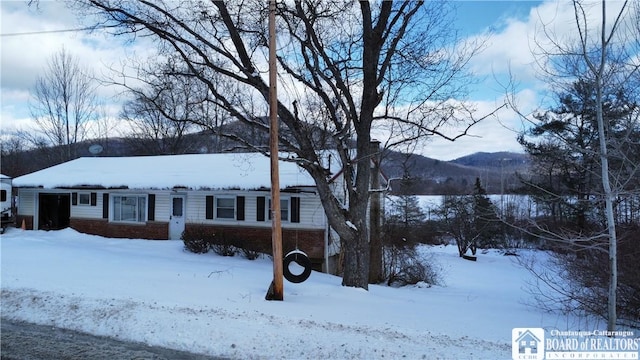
pixel 158 197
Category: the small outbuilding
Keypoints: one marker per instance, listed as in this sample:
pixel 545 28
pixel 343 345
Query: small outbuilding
pixel 159 197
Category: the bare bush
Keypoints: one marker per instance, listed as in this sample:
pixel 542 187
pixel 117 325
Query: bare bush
pixel 404 266
pixel 197 240
pixel 575 280
pixel 250 254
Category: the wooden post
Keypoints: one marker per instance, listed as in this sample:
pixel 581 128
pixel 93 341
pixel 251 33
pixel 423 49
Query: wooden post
pixel 276 290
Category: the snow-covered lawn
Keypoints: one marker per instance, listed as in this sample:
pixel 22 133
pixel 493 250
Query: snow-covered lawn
pixel 157 293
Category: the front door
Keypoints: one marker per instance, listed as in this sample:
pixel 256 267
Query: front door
pixel 54 211
pixel 176 223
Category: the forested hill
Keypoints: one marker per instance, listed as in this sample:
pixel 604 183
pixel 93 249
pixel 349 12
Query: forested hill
pixel 496 171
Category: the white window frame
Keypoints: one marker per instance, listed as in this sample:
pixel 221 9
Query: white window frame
pixel 138 218
pixel 282 215
pixel 85 195
pixel 216 207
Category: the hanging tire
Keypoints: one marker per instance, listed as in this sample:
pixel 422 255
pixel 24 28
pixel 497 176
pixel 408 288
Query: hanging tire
pixel 301 259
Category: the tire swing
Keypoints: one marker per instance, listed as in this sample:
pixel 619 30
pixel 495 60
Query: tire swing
pixel 301 259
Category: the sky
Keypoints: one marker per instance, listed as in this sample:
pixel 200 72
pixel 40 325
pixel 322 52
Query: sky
pixel 214 305
pixel 506 26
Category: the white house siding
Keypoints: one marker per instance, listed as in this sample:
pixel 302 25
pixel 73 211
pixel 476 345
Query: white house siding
pixel 26 202
pixel 163 205
pixel 87 211
pixel 311 211
pixel 196 207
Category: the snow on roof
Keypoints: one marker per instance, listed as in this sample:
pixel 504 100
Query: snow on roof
pixel 194 171
pixel 3 176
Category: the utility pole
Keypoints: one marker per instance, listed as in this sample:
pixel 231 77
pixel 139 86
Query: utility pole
pixel 276 290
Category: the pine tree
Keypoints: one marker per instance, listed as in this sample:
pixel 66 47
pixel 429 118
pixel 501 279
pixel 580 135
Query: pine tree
pixel 485 220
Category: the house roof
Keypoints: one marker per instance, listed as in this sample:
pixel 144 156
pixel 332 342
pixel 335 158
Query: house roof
pixel 527 334
pixel 195 171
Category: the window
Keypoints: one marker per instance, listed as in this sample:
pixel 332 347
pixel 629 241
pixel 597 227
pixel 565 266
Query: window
pixel 225 207
pixel 289 209
pixel 177 207
pixel 284 209
pixel 3 195
pixel 84 198
pixel 130 208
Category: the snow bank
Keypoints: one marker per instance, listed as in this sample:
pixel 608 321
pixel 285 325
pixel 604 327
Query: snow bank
pixel 155 292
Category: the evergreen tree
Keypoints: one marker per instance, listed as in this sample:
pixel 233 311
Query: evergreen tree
pixel 404 220
pixel 485 220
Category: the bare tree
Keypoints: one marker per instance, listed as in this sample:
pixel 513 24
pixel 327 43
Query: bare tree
pixel 103 128
pixel 12 149
pixel 346 68
pixel 64 101
pixel 595 67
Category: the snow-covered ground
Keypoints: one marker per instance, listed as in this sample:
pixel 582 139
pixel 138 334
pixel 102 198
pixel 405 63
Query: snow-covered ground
pixel 157 293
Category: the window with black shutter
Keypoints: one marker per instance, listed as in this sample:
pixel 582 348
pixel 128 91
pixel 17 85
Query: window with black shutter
pixel 295 209
pixel 240 208
pixel 209 207
pixel 260 208
pixel 151 210
pixel 105 206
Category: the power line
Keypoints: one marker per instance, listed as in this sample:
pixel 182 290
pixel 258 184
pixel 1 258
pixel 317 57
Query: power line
pixel 58 31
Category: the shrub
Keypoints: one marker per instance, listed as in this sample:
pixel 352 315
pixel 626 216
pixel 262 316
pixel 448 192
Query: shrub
pixel 198 246
pixel 575 279
pixel 197 240
pixel 250 254
pixel 223 245
pixel 224 249
pixel 403 266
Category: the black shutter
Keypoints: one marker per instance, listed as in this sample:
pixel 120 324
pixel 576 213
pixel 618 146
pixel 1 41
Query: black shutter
pixel 240 207
pixel 260 208
pixel 94 199
pixel 295 209
pixel 151 207
pixel 74 198
pixel 105 206
pixel 209 207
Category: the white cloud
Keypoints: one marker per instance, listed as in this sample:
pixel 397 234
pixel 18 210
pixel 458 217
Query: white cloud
pixel 514 46
pixel 510 55
pixel 25 56
pixel 497 132
pixel 508 51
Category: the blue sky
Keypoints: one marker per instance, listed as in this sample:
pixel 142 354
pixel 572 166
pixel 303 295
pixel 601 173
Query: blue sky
pixel 477 16
pixel 509 22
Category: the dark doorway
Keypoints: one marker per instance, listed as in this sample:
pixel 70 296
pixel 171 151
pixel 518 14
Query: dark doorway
pixel 54 211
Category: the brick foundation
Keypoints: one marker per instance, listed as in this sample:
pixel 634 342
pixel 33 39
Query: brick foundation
pixel 152 230
pixel 251 238
pixel 259 239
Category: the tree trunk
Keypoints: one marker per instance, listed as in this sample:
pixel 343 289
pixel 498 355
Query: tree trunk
pixel 356 258
pixel 608 200
pixel 375 262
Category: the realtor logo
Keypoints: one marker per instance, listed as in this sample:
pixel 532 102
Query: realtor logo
pixel 527 343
